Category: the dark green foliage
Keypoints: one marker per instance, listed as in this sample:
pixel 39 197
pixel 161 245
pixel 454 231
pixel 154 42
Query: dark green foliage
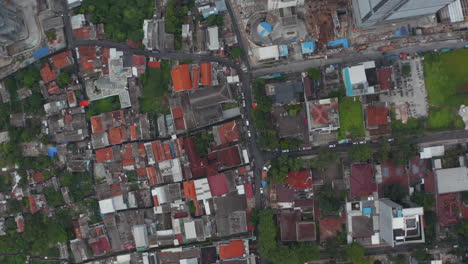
pixel 91 206
pixel 330 201
pixel 51 35
pixel 412 126
pixel 430 230
pixel 14 206
pixel 215 20
pixel 202 142
pixel 290 143
pixel 395 192
pixel 46 139
pixel 314 74
pixel 176 15
pixel 339 93
pixel 104 105
pixel 54 198
pixel 282 165
pixel 360 152
pixel 79 184
pixel 406 69
pixel 64 79
pixel 155 89
pixel 279 254
pixel 236 52
pixel 5 182
pixel 421 255
pixel 123 19
pixel 398 259
pixel 425 200
pixel 324 158
pixel 254 217
pixel 465 197
pixel 293 109
pixel 131 176
pixel 192 208
pixel 355 253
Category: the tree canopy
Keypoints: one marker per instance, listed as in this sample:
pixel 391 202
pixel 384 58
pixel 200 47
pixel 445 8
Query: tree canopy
pixel 395 192
pixel 355 253
pixel 282 165
pixel 122 19
pixel 360 152
pixel 329 200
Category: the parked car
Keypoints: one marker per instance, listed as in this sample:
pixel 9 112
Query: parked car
pixel 332 146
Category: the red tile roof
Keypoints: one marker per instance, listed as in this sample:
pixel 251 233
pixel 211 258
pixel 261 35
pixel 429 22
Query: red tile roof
pixel 152 176
pixel 53 88
pixel 248 190
pixel 133 135
pixel 47 73
pixel 76 228
pixel 100 246
pixel 105 56
pixel 62 59
pixel 250 227
pixel 234 249
pixel 228 132
pixel 32 205
pixel 104 154
pixel 177 112
pixel 448 207
pixel 81 32
pixel 154 64
pixel 96 124
pixel 195 77
pixel 362 180
pixel 133 44
pixel 84 103
pixel 206 73
pixel 377 116
pixel 181 78
pixel 71 98
pixel 218 184
pixel 20 224
pixel 306 231
pixel 284 194
pixel 288 220
pixel 299 179
pixel 330 227
pixel 320 112
pixel 385 78
pixel 117 135
pixel 392 174
pixel 37 176
pixel 228 157
pixel 139 62
pixel 189 189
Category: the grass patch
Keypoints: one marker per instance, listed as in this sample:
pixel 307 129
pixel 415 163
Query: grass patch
pixel 227 106
pixel 155 89
pixel 351 118
pixel 447 86
pixel 105 105
pixel 443 118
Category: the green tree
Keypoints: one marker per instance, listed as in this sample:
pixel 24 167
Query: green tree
pixel 425 200
pixel 325 158
pixel 236 52
pixel 215 20
pixel 406 69
pixel 282 165
pixel 54 198
pixel 398 259
pixel 355 253
pixel 330 201
pixel 64 79
pixel 395 192
pixel 314 74
pixel 384 152
pixel 421 255
pixel 360 153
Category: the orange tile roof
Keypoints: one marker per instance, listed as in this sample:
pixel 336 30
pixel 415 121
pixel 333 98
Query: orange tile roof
pixel 104 154
pixel 32 204
pixel 116 135
pixel 154 64
pixel 81 32
pixel 71 98
pixel 126 151
pixel 37 176
pixel 234 249
pixel 133 135
pixel 62 60
pixel 47 73
pixel 141 150
pixel 53 88
pixel 195 77
pixel 128 162
pixel 206 73
pixel 68 118
pixel 228 132
pixel 189 190
pixel 177 112
pixel 152 176
pixel 20 224
pixel 181 78
pixel 96 124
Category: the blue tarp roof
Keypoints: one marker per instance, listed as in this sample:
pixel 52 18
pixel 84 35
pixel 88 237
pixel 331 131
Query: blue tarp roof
pixel 283 50
pixel 367 211
pixel 349 86
pixel 264 183
pixel 401 32
pixel 308 47
pixel 264 29
pixel 52 151
pixel 42 52
pixel 339 42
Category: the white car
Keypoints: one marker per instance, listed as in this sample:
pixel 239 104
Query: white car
pixel 249 134
pixel 332 146
pixel 362 142
pixel 390 139
pixel 261 190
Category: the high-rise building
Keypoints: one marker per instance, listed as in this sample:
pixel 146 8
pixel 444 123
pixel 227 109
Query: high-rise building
pixel 277 4
pixel 11 23
pixel 371 12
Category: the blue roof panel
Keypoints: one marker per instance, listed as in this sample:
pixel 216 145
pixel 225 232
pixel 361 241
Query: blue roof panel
pixel 308 47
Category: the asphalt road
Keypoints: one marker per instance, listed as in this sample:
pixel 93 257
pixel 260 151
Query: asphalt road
pixel 355 57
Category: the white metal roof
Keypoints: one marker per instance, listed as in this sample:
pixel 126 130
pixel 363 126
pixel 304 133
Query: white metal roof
pixel 106 206
pixel 119 203
pixel 436 151
pixel 357 74
pixel 456 12
pixel 213 39
pixel 77 21
pixel 268 53
pixel 140 235
pixel 452 180
pixel 190 232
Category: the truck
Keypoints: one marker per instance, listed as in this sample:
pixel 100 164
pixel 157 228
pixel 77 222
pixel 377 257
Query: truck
pixel 385 48
pixel 466 46
pixel 362 47
pixel 445 50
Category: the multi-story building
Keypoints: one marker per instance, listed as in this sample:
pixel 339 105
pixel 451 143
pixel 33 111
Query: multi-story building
pixel 368 13
pixel 277 4
pixel 11 23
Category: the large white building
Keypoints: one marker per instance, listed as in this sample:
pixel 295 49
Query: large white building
pixel 277 4
pixel 368 13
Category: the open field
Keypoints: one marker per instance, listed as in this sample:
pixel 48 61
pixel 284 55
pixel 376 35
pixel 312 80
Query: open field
pixel 103 106
pixel 155 89
pixel 446 78
pixel 351 118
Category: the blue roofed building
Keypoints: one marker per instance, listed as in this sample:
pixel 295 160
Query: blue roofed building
pixel 361 79
pixel 283 50
pixel 339 43
pixel 42 52
pixel 220 6
pixel 308 47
